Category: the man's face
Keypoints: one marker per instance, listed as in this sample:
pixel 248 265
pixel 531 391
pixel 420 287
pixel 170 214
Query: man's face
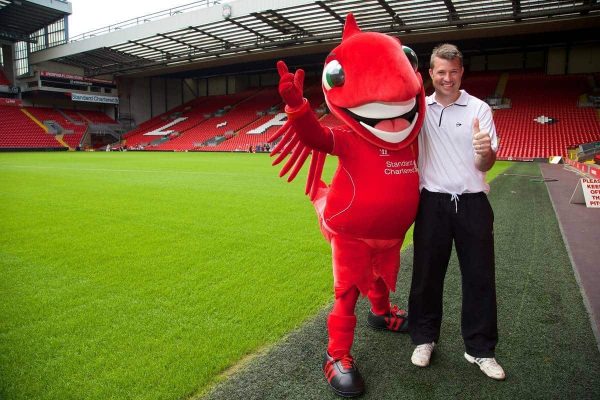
pixel 446 76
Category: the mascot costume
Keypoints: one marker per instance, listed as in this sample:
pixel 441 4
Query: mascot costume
pixel 371 84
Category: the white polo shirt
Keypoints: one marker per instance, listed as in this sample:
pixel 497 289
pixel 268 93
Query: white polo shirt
pixel 446 154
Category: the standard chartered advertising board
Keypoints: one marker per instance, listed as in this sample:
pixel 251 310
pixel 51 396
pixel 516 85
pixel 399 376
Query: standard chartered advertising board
pixel 94 98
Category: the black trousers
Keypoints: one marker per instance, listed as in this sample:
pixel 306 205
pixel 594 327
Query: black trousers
pixel 468 222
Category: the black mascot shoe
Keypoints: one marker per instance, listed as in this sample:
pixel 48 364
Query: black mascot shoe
pixel 395 321
pixel 343 376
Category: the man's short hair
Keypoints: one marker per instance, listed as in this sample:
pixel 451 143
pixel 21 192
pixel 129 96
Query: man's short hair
pixel 446 51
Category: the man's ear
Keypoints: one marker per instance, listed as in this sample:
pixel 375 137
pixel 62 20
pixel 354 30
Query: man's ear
pixel 430 73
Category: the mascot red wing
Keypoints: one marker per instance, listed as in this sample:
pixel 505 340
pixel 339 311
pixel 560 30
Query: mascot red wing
pixel 371 84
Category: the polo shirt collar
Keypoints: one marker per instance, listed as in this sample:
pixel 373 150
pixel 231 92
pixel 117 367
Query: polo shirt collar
pixel 462 100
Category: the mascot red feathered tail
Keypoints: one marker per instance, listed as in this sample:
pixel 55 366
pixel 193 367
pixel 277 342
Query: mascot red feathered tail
pixel 371 84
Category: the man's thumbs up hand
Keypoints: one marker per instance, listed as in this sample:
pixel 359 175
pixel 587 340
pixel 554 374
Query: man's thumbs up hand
pixel 481 140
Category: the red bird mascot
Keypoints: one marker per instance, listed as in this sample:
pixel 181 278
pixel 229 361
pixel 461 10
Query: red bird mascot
pixel 371 84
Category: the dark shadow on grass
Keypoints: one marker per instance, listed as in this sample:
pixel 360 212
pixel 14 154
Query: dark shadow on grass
pixel 546 342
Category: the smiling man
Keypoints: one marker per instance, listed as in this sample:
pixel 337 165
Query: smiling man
pixel 457 146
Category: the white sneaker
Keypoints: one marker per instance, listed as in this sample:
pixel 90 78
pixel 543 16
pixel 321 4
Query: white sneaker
pixel 422 354
pixel 489 366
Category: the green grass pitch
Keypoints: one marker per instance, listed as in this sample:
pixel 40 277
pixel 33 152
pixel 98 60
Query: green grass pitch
pixel 147 275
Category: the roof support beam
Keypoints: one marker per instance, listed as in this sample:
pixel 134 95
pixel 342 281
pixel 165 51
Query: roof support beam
pixel 181 42
pixel 257 34
pixel 330 11
pixel 165 53
pixel 395 17
pixel 516 6
pixel 280 23
pixel 452 13
pixel 226 44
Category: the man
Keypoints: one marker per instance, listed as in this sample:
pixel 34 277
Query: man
pixel 457 145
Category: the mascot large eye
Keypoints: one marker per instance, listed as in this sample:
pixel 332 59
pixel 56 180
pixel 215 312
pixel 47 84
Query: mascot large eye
pixel 333 75
pixel 412 57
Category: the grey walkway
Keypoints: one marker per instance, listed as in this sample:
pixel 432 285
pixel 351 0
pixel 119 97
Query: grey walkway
pixel 580 227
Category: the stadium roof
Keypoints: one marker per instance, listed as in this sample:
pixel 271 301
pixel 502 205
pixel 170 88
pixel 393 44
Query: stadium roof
pixel 248 30
pixel 20 18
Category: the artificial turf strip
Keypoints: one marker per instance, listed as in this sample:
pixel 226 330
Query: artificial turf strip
pixel 145 275
pixel 546 343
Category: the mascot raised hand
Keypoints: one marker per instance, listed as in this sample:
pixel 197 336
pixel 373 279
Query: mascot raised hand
pixel 371 84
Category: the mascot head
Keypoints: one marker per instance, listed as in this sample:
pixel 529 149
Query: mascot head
pixel 371 83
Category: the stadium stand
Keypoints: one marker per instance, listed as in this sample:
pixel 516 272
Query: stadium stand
pixel 218 123
pixel 244 140
pixel 228 123
pixel 529 128
pixel 532 128
pixel 68 126
pixel 248 137
pixel 544 118
pixel 18 131
pixel 190 129
pixel 238 121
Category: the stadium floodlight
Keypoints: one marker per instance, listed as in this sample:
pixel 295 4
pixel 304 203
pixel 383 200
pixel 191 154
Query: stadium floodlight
pixel 226 12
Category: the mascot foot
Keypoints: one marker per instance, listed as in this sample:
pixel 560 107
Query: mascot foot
pixel 343 376
pixel 395 321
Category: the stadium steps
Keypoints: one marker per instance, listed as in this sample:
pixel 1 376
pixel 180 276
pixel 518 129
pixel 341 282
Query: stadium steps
pixel 59 139
pixel 502 82
pixel 86 119
pixel 69 118
pixel 34 119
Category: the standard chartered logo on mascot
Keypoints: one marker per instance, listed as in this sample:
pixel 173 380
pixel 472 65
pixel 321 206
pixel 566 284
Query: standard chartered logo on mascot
pixel 371 84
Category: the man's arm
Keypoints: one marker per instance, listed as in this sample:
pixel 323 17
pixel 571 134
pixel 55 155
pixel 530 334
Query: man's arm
pixel 485 162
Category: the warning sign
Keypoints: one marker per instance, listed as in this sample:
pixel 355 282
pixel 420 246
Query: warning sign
pixel 588 192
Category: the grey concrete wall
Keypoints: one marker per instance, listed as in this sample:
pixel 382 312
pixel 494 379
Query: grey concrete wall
pixel 557 60
pixel 584 59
